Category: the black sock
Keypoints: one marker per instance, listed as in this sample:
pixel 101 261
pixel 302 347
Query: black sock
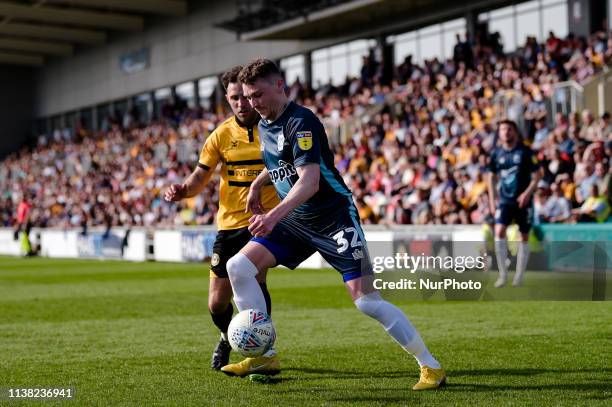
pixel 223 319
pixel 266 294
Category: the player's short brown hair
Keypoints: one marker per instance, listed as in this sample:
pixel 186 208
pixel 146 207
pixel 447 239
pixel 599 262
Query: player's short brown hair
pixel 230 76
pixel 258 69
pixel 510 123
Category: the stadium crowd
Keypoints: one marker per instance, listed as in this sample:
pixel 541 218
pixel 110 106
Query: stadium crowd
pixel 415 152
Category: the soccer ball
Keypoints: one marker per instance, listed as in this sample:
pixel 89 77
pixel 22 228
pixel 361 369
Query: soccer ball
pixel 251 333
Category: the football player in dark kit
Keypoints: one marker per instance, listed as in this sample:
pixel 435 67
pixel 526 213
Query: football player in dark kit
pixel 234 143
pixel 516 171
pixel 316 214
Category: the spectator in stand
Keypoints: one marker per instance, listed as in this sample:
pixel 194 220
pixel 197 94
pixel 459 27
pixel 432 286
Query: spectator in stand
pixel 604 128
pixel 462 53
pixel 550 205
pixel 585 182
pixel 588 130
pixel 595 208
pixel 603 178
pixel 558 208
pixel 541 133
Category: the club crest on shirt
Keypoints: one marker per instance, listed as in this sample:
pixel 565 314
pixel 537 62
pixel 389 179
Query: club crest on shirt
pixel 280 142
pixel 304 139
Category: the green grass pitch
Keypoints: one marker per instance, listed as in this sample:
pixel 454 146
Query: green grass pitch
pixel 139 334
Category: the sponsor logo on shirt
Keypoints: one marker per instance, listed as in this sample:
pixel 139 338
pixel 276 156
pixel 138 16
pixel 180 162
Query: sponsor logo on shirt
pixel 284 171
pixel 245 172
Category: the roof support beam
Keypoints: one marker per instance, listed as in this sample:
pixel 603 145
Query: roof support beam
pixel 163 7
pixel 76 35
pixel 42 47
pixel 75 17
pixel 20 59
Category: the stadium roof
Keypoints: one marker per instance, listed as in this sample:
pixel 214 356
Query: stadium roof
pixel 320 19
pixel 33 30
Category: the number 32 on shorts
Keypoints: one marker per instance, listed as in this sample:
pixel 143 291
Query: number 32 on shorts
pixel 343 243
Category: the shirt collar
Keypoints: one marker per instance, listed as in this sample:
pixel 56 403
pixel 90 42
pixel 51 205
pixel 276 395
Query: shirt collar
pixel 280 115
pixel 241 124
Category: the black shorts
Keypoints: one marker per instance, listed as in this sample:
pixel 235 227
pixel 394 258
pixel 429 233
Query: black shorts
pixel 227 244
pixel 507 213
pixel 338 238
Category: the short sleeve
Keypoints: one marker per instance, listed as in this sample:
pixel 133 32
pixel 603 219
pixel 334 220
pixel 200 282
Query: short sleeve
pixel 210 156
pixel 305 135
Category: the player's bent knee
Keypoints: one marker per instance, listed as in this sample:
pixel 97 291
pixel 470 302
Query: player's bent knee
pixel 239 266
pixel 389 316
pixel 370 304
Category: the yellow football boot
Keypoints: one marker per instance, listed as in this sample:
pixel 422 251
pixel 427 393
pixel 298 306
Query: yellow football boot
pixel 268 365
pixel 430 378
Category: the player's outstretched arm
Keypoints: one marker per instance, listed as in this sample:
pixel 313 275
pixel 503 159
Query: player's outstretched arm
pixel 253 204
pixel 193 185
pixel 306 186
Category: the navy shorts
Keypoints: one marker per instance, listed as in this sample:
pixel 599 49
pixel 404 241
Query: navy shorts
pixel 507 213
pixel 338 237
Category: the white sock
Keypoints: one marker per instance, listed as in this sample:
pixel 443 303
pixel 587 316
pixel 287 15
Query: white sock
pixel 522 258
pixel 398 326
pixel 501 253
pixel 247 292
